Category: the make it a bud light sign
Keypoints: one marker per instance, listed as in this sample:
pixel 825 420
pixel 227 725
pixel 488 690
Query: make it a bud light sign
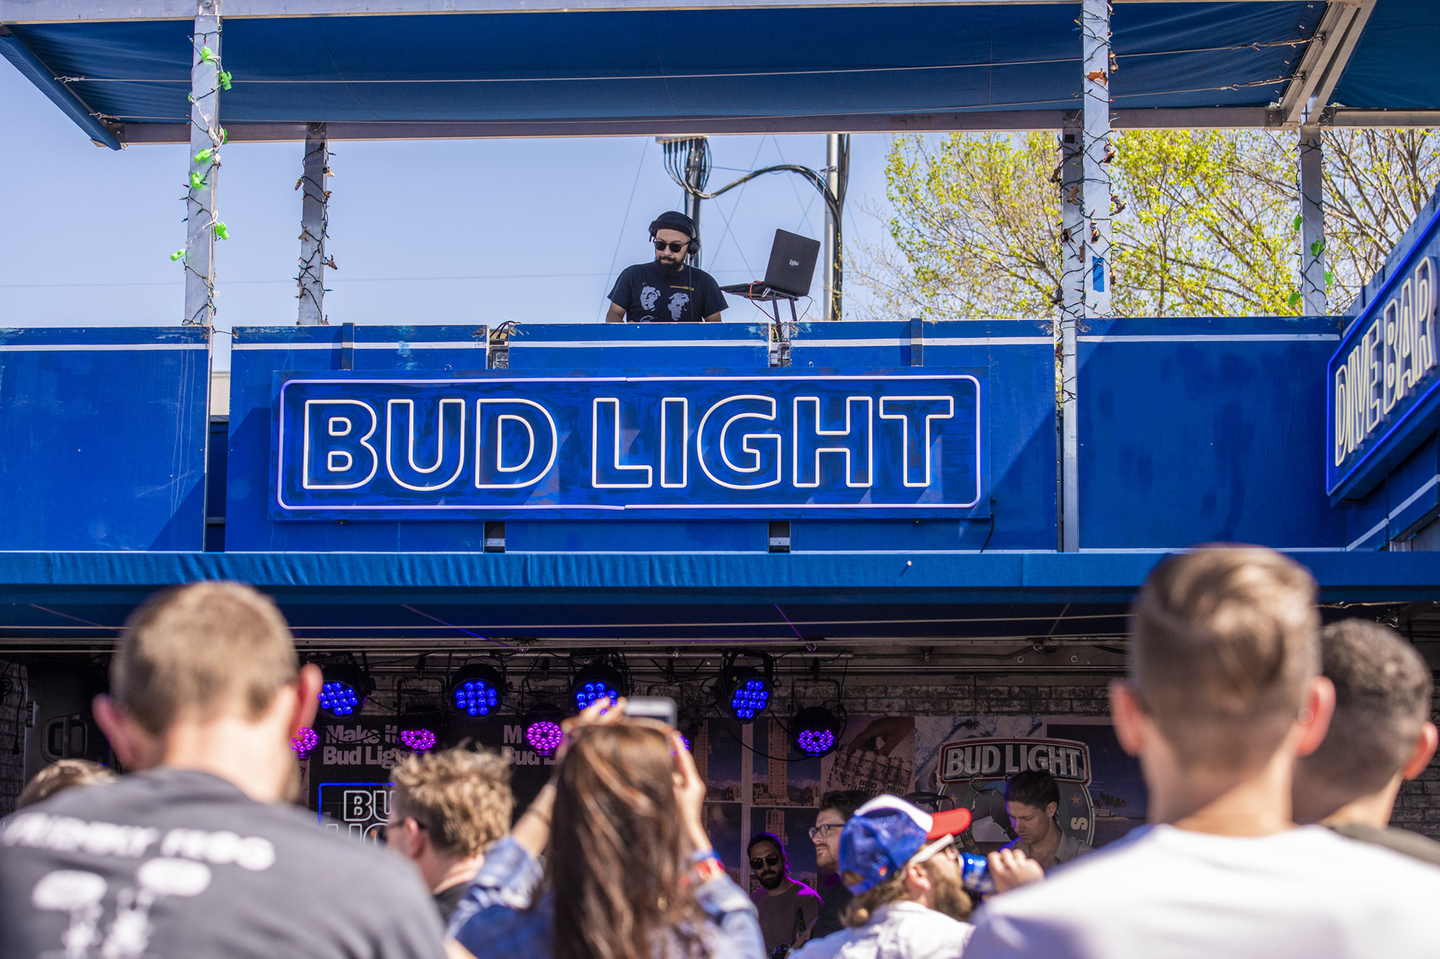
pixel 772 443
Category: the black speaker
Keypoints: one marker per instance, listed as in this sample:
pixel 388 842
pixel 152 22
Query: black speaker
pixel 58 721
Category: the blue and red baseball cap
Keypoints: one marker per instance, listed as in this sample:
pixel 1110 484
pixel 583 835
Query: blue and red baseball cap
pixel 887 834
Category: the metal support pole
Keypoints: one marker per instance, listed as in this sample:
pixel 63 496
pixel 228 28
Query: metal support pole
pixel 1095 191
pixel 1072 278
pixel 837 178
pixel 205 139
pixel 314 218
pixel 695 176
pixel 1312 223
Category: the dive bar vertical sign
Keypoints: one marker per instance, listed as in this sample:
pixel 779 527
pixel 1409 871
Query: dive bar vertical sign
pixel 1383 368
pixel 877 445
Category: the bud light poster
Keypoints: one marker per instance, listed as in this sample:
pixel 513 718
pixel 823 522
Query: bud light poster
pixel 967 760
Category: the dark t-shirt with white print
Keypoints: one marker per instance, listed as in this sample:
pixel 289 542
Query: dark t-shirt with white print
pixel 177 863
pixel 651 295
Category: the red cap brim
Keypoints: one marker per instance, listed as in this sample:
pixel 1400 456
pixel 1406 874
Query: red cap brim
pixel 949 823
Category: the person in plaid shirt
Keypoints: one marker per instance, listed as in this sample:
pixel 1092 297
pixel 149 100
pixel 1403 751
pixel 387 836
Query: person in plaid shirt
pixel 631 872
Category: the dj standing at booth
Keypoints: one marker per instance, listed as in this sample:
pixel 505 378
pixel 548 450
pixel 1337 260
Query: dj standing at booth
pixel 668 289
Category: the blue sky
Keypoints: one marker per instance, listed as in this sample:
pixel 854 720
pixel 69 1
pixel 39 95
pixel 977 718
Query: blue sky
pixel 453 231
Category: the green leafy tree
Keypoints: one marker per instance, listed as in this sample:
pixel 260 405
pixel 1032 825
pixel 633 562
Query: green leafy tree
pixel 1207 226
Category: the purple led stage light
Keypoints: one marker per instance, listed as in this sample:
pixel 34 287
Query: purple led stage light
pixel 815 742
pixel 418 740
pixel 306 740
pixel 544 736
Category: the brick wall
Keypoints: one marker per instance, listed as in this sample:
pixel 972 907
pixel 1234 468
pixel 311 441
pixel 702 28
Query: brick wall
pixel 1418 806
pixel 12 763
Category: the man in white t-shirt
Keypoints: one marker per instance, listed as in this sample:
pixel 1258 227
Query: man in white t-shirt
pixel 1223 694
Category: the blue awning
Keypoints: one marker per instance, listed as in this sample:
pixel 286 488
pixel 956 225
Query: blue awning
pixel 638 596
pixel 1395 66
pixel 619 70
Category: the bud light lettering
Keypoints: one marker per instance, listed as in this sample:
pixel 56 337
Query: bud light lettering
pixel 365 447
pixel 971 759
pixel 338 454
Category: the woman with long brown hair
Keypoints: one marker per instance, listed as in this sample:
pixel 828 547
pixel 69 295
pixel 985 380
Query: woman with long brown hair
pixel 630 870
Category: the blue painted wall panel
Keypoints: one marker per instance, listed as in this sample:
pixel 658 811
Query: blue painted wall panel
pixel 1020 358
pixel 1412 490
pixel 1197 430
pixel 1366 522
pixel 258 353
pixel 578 348
pixel 104 433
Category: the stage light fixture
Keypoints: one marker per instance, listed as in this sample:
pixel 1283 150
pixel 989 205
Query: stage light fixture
pixel 542 729
pixel 815 731
pixel 344 688
pixel 418 740
pixel 744 692
pixel 598 680
pixel 304 741
pixel 421 728
pixel 478 690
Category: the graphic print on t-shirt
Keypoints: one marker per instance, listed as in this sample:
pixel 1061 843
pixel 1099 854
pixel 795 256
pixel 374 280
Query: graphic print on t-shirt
pixel 82 895
pixel 86 897
pixel 649 296
pixel 677 304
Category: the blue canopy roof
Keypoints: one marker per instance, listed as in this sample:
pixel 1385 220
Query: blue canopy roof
pixel 438 596
pixel 723 67
pixel 1394 66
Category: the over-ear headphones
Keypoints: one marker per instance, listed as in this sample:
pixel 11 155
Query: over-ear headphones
pixel 675 220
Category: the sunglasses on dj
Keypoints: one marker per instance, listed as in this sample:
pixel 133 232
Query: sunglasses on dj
pixel 759 862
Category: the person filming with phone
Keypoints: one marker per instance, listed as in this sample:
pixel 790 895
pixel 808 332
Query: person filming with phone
pixel 670 288
pixel 628 871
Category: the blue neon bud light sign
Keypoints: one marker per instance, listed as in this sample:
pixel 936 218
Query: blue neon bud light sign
pixel 360 446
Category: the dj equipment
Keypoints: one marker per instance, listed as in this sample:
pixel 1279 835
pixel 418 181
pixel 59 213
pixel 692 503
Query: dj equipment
pixel 787 275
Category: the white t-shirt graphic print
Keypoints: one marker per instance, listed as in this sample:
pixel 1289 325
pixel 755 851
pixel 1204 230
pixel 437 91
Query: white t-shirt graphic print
pixel 1165 892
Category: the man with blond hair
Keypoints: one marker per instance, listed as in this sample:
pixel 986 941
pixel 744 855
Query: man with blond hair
pixel 1224 693
pixel 446 810
pixel 194 852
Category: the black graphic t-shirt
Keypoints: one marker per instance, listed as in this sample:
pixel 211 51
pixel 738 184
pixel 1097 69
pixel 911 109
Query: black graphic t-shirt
pixel 649 295
pixel 177 863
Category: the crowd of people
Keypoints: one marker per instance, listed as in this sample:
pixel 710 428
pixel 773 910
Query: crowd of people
pixel 1272 751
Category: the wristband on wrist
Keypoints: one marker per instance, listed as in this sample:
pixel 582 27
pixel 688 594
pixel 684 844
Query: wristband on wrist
pixel 705 870
pixel 700 855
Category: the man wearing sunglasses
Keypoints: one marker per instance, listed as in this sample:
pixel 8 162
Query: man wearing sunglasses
pixel 668 289
pixel 787 907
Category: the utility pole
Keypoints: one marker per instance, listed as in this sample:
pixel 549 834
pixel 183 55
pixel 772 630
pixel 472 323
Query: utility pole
pixel 695 176
pixel 837 177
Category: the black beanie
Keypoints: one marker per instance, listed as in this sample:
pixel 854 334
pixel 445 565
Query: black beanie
pixel 673 220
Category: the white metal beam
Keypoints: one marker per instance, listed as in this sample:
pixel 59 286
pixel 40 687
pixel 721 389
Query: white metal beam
pixel 1072 307
pixel 1324 61
pixel 1095 149
pixel 1380 119
pixel 204 138
pixel 314 221
pixel 1208 118
pixel 60 11
pixel 1312 223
